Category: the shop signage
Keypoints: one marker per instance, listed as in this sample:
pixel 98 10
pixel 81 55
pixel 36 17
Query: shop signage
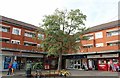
pixel 17 53
pixel 76 57
pixel 25 54
pixel 7 53
pixel 103 56
pixel 35 55
pixel 21 54
pixel 93 56
pixel 110 55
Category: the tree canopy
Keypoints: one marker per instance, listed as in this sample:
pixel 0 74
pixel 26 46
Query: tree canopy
pixel 63 31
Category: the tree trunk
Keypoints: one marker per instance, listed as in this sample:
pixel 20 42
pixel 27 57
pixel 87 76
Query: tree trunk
pixel 60 61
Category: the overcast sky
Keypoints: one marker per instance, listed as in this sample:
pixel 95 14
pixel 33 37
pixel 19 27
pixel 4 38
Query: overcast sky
pixel 32 11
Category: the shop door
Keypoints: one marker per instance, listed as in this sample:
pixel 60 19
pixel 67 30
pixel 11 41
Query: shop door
pixel 7 60
pixel 96 64
pixel 77 64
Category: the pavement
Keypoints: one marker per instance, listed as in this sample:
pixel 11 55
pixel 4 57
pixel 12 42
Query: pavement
pixel 74 74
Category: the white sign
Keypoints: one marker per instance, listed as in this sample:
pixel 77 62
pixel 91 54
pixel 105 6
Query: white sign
pixel 103 56
pixel 110 55
pixel 93 56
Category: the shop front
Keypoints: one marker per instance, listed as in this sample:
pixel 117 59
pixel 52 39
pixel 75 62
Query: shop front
pixel 103 61
pixel 75 61
pixel 21 59
pixel 50 63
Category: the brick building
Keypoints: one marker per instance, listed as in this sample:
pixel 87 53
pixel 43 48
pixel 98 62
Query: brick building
pixel 102 46
pixel 17 42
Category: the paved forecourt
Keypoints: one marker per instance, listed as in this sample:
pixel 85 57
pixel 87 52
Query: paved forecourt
pixel 75 74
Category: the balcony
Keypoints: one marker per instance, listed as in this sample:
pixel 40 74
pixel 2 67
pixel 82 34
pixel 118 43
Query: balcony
pixel 30 39
pixel 6 34
pixel 100 49
pixel 111 38
pixel 19 47
pixel 87 41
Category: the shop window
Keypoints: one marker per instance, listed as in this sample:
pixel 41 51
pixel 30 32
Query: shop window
pixel 102 61
pixel 115 61
pixel 6 62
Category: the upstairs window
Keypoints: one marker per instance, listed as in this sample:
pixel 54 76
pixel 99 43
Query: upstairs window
pixel 99 45
pixel 40 36
pixel 113 33
pixel 30 44
pixel 98 35
pixel 16 31
pixel 28 34
pixel 88 46
pixel 90 37
pixel 113 44
pixel 4 40
pixel 5 29
pixel 15 41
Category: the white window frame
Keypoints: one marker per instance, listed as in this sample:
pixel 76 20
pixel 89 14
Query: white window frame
pixel 13 31
pixel 98 35
pixel 15 41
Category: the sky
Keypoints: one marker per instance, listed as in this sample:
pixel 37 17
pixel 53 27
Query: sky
pixel 32 11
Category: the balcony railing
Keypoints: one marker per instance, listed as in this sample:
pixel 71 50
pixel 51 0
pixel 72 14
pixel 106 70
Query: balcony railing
pixel 100 49
pixel 19 47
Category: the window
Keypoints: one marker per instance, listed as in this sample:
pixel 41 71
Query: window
pixel 30 44
pixel 99 45
pixel 102 61
pixel 16 31
pixel 28 34
pixel 115 61
pixel 15 41
pixel 4 40
pixel 90 37
pixel 113 33
pixel 113 44
pixel 88 46
pixel 40 36
pixel 5 29
pixel 98 35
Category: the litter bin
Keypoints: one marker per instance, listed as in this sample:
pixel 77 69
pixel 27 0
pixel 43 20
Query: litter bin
pixel 28 72
pixel 28 69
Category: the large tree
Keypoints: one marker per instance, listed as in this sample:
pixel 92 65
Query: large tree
pixel 63 30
